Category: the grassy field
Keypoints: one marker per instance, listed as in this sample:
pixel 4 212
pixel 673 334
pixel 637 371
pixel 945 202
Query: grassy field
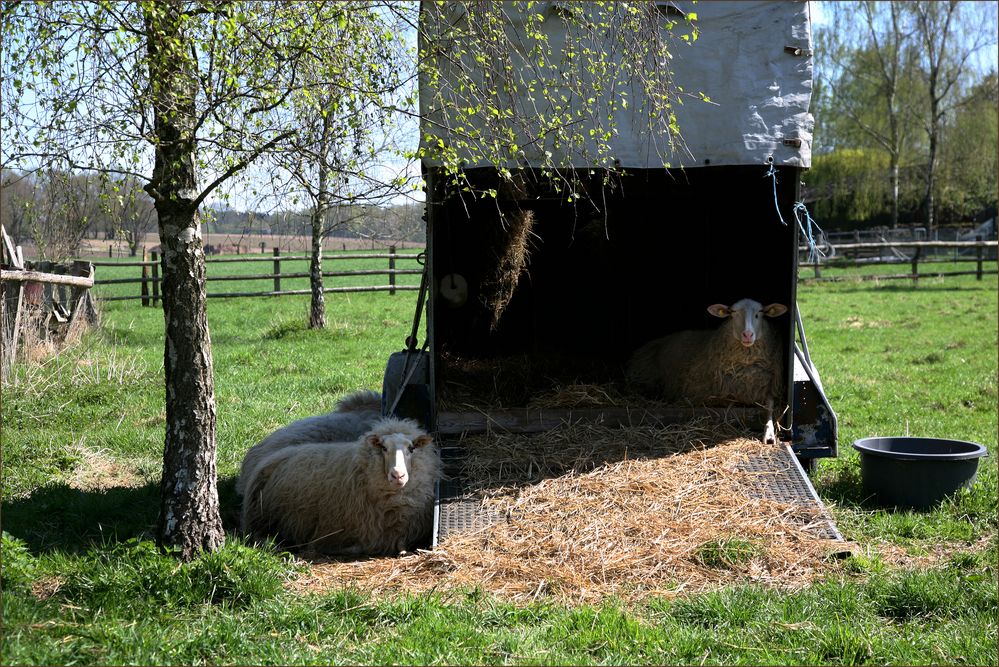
pixel 82 438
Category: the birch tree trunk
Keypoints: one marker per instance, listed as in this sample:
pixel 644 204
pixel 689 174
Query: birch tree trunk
pixel 317 312
pixel 189 520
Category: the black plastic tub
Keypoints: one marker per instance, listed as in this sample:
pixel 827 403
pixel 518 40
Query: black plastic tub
pixel 916 472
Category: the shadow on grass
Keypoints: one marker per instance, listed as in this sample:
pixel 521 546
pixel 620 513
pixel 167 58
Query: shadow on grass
pixel 845 487
pixel 58 517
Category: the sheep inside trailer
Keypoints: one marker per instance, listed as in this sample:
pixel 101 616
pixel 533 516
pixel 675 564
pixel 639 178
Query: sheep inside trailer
pixel 535 302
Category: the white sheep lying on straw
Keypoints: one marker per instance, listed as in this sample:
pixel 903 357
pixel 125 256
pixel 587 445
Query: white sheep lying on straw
pixel 371 496
pixel 350 419
pixel 740 362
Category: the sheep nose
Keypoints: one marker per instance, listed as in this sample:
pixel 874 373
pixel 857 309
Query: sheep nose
pixel 748 338
pixel 398 476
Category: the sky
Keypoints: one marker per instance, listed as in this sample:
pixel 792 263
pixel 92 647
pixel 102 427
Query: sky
pixel 240 197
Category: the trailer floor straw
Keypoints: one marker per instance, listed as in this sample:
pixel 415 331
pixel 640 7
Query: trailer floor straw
pixel 584 511
pixel 773 475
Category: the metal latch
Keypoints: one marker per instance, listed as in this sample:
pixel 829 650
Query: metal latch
pixel 797 51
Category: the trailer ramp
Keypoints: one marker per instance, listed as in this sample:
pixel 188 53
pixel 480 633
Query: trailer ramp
pixel 774 475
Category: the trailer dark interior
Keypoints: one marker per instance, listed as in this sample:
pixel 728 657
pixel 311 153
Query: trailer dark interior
pixel 599 283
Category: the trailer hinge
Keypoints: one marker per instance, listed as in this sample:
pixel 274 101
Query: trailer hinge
pixel 793 143
pixel 797 51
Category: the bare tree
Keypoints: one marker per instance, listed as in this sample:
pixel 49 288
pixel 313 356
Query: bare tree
pixel 343 114
pixel 872 86
pixel 62 207
pixel 132 213
pixel 950 33
pixel 15 201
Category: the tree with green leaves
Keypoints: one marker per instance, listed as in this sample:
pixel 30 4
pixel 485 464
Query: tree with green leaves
pixel 344 142
pixel 504 88
pixel 183 95
pixel 869 87
pixel 180 95
pixel 897 85
pixel 969 154
pixel 949 35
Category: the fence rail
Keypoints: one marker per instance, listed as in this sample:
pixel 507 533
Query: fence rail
pixel 149 280
pixel 862 256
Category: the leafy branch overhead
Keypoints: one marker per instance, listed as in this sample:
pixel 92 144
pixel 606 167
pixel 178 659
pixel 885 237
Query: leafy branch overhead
pixel 509 84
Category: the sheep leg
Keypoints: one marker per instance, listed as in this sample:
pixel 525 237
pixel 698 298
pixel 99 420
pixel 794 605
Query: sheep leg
pixel 769 434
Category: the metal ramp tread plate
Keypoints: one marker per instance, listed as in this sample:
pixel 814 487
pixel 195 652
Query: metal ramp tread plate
pixel 457 511
pixel 775 475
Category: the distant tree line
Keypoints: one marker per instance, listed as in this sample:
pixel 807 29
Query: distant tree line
pixel 906 114
pixel 399 222
pixel 56 210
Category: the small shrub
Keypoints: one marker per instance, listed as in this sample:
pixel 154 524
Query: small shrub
pixel 18 567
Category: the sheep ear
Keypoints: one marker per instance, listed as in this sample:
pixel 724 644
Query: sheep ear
pixel 719 310
pixel 775 310
pixel 423 440
pixel 375 441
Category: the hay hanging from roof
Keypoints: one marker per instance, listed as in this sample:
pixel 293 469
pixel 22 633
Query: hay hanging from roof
pixel 513 253
pixel 591 512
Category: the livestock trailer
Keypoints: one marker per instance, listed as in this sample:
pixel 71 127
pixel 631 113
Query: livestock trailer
pixel 531 291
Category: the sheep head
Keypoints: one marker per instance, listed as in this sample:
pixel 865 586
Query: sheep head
pixel 747 318
pixel 397 450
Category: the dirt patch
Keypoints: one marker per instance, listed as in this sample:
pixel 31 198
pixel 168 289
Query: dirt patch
pixel 857 322
pixel 98 470
pixel 46 587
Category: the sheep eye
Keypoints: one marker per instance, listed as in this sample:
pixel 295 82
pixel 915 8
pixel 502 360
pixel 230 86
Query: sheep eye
pixel 412 448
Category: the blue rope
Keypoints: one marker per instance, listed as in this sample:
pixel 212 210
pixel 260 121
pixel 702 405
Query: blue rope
pixel 813 251
pixel 773 173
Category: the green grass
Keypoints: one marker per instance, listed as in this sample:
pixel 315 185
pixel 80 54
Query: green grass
pixel 82 440
pixel 897 360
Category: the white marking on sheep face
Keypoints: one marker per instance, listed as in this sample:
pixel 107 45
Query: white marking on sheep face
pixel 397 454
pixel 747 315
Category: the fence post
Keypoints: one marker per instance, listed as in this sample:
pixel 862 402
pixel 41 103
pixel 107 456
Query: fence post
pixel 144 290
pixel 391 270
pixel 155 258
pixel 110 251
pixel 915 266
pixel 980 255
pixel 277 270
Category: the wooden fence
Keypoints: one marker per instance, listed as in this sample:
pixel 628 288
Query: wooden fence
pixel 848 255
pixel 923 252
pixel 149 280
pixel 40 301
